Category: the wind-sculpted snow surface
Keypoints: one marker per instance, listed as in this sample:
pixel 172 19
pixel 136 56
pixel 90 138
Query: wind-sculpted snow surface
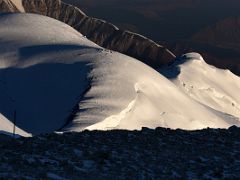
pixel 56 79
pixel 214 88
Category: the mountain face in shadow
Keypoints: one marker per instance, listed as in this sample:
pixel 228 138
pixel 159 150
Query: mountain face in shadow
pixel 161 19
pixel 207 27
pixel 101 32
pixel 226 31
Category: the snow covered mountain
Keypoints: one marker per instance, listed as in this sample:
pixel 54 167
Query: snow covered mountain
pixel 212 87
pixel 56 79
pixel 99 31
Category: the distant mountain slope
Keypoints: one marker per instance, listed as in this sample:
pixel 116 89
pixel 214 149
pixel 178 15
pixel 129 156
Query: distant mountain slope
pixel 8 6
pixel 161 20
pixel 56 79
pixel 219 43
pixel 224 33
pixel 221 57
pixel 174 23
pixel 99 31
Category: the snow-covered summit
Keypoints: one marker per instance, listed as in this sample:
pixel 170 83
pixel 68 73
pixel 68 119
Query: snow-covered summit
pixel 56 79
pixel 214 88
pixel 191 56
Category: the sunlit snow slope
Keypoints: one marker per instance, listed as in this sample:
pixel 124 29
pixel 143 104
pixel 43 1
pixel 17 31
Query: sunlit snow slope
pixel 215 88
pixel 56 79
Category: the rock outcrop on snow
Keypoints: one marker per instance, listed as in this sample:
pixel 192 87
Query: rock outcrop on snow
pixel 101 32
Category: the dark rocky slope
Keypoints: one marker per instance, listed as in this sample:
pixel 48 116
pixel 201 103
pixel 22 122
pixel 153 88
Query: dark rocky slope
pixel 220 56
pixel 99 31
pixel 223 33
pixel 7 6
pixel 181 26
pixel 218 43
pixel 146 154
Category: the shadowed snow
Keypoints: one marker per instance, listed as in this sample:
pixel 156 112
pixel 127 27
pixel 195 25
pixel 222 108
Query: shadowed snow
pixel 56 78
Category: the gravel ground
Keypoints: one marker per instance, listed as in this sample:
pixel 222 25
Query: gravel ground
pixel 146 154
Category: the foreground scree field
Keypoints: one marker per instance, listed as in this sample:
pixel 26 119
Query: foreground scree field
pixel 146 154
pixel 58 80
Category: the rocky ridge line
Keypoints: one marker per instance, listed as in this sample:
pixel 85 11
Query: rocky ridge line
pixel 101 32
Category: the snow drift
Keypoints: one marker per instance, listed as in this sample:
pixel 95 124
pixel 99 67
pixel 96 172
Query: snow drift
pixel 56 79
pixel 214 88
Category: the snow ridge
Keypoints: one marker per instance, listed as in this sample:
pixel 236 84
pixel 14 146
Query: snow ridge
pixel 47 66
pixel 208 85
